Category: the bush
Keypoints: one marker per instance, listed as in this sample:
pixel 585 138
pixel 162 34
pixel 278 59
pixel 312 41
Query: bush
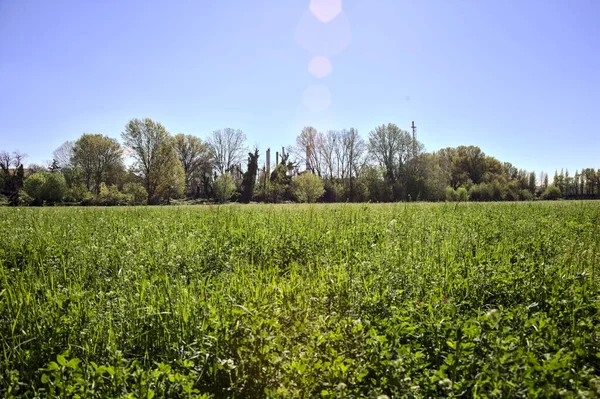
pixel 24 199
pixel 45 187
pixel 496 191
pixel 551 193
pixel 525 195
pixel 79 194
pixel 309 188
pixel 462 194
pixel 3 200
pixel 476 193
pixel 451 195
pixel 224 187
pixel 137 192
pixel 111 196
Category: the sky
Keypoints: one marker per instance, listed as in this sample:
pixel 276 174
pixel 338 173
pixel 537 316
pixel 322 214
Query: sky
pixel 520 79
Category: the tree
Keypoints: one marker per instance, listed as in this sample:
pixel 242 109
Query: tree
pixel 227 148
pixel 63 155
pixel 354 148
pixel 168 178
pixel 308 149
pixel 46 187
pixel 96 155
pixel 330 149
pixel 155 158
pixel 249 179
pixel 531 182
pixel 13 173
pixel 195 160
pixel 224 187
pixel 308 187
pixel 392 147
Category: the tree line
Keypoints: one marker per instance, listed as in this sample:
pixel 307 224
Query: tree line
pixel 333 166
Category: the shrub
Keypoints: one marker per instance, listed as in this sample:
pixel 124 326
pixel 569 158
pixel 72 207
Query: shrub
pixel 79 194
pixel 525 195
pixel 24 199
pixel 224 187
pixel 308 187
pixel 45 186
pixel 462 194
pixel 475 193
pixel 111 196
pixel 137 192
pixel 551 193
pixel 451 195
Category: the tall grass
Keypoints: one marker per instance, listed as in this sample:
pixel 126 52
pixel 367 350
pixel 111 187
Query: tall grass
pixel 419 300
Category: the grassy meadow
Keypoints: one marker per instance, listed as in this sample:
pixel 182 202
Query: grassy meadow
pixel 349 300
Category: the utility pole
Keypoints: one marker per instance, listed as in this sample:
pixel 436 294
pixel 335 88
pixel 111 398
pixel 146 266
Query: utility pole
pixel 414 139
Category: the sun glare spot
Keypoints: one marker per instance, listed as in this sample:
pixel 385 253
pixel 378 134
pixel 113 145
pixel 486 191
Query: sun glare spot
pixel 324 39
pixel 325 10
pixel 320 66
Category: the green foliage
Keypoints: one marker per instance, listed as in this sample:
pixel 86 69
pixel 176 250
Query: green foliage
pixel 96 155
pixel 3 200
pixel 308 187
pixel 79 194
pixel 525 195
pixel 451 194
pixel 249 179
pixel 224 187
pixel 397 300
pixel 111 196
pixel 551 193
pixel 462 194
pixel 137 193
pixel 279 184
pixel 168 176
pixel 156 159
pixel 45 187
pixel 23 199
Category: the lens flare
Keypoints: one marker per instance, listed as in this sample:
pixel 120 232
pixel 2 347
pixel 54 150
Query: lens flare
pixel 325 10
pixel 320 66
pixel 324 39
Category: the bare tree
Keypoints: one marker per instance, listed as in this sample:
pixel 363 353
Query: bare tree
pixel 354 149
pixel 329 150
pixel 308 149
pixel 227 148
pixel 11 161
pixel 63 155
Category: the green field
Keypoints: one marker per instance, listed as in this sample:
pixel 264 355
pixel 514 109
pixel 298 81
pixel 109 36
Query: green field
pixel 403 300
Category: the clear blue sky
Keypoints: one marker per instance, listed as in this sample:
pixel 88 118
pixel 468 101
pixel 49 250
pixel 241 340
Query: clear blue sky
pixel 520 79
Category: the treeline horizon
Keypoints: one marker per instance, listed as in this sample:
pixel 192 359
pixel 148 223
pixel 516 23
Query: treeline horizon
pixel 390 165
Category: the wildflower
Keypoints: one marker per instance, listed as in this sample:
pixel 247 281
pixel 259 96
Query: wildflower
pixel 446 384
